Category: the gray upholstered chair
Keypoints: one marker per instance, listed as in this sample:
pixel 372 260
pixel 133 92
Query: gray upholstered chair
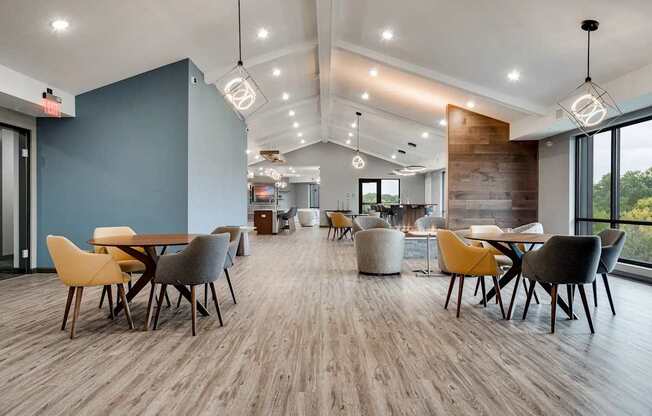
pixel 287 219
pixel 368 222
pixel 308 217
pixel 563 260
pixel 612 245
pixel 429 223
pixel 200 263
pixel 533 227
pixel 379 251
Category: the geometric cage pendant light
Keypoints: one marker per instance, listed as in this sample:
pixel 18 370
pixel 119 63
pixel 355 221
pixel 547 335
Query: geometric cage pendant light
pixel 358 162
pixel 588 105
pixel 238 87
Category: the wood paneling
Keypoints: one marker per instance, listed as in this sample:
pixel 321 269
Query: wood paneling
pixel 490 179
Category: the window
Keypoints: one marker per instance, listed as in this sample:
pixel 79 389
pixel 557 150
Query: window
pixel 378 191
pixel 614 187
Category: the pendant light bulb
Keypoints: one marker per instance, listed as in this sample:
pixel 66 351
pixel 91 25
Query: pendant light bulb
pixel 358 162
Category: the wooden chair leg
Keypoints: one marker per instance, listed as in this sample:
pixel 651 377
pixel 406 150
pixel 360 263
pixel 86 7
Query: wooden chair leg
pixel 586 307
pixel 605 280
pixel 217 306
pixel 123 298
pixel 450 290
pixel 206 295
pixel 499 297
pixel 75 313
pixel 459 295
pixel 109 293
pixel 484 292
pixel 179 300
pixel 193 302
pixel 512 302
pixel 569 295
pixel 529 296
pixel 553 306
pixel 71 295
pixel 595 293
pixel 167 298
pixel 158 307
pixel 477 286
pixel 228 280
pixel 102 297
pixel 150 303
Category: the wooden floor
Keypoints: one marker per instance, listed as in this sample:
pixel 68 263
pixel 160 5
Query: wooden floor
pixel 311 337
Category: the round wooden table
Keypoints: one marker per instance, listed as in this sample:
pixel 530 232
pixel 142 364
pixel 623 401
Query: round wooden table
pixel 147 243
pixel 509 244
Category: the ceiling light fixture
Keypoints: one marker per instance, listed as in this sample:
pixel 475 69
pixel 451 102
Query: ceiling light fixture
pixel 373 72
pixel 302 141
pixel 443 122
pixel 247 151
pixel 514 75
pixel 358 162
pixel 263 33
pixel 348 141
pixel 393 156
pixel 276 72
pixel 285 96
pixel 350 134
pixel 592 103
pixel 365 96
pixel 387 34
pixel 470 104
pixel 354 125
pixel 295 125
pixel 60 25
pixel 238 86
pixel 299 134
pixel 425 135
pixel 291 113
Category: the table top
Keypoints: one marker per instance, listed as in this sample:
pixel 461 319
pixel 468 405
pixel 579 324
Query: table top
pixel 527 238
pixel 424 233
pixel 144 240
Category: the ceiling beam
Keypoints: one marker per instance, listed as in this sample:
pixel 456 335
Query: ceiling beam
pixel 325 36
pixel 364 108
pixel 212 76
pixel 505 100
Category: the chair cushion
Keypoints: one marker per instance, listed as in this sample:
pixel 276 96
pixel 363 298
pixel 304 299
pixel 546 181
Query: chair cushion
pixel 503 260
pixel 131 266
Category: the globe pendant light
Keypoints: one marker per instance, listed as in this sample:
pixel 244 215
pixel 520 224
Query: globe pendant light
pixel 590 103
pixel 358 162
pixel 238 86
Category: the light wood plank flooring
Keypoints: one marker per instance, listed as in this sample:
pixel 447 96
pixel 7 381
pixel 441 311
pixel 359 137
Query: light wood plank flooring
pixel 311 337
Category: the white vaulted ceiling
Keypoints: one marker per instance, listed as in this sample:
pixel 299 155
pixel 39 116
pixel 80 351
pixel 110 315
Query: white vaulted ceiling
pixel 442 52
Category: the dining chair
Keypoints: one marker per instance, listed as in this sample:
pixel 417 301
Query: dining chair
pixel 429 222
pixel 463 260
pixel 200 263
pixel 341 224
pixel 330 224
pixel 78 269
pixel 563 260
pixel 612 242
pixel 368 222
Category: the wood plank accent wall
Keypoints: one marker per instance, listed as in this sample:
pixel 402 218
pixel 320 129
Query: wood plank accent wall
pixel 490 179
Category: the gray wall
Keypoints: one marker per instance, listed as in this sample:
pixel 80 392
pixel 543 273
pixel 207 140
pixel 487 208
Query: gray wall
pixel 302 195
pixel 433 191
pixel 339 180
pixel 217 163
pixel 123 160
pixel 557 184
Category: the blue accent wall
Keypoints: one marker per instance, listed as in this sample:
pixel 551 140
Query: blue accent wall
pixel 123 160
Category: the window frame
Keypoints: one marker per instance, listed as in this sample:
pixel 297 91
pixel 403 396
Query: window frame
pixel 379 187
pixel 583 195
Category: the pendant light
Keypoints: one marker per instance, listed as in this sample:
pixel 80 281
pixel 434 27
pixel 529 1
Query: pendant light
pixel 358 162
pixel 590 103
pixel 238 86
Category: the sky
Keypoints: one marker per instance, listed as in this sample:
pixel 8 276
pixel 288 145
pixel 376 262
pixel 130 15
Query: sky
pixel 635 150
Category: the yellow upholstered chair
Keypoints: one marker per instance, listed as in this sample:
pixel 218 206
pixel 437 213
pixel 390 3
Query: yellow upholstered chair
pixel 341 223
pixel 78 269
pixel 463 260
pixel 127 263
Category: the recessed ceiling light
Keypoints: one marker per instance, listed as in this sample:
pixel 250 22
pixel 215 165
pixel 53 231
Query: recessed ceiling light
pixel 514 75
pixel 387 34
pixel 260 168
pixel 365 95
pixel 60 25
pixel 291 113
pixel 299 134
pixel 258 157
pixel 353 125
pixel 350 134
pixel 470 104
pixel 348 141
pixel 302 141
pixel 425 135
pixel 373 72
pixel 276 72
pixel 295 125
pixel 263 33
pixel 443 122
pixel 247 151
pixel 285 96
pixel 393 156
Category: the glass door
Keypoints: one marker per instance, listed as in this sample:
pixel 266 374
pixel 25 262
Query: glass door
pixel 14 201
pixel 369 194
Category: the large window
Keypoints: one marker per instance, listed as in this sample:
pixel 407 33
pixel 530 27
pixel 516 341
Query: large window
pixel 377 192
pixel 614 187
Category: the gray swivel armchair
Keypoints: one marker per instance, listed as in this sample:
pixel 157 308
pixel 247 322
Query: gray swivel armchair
pixel 563 260
pixel 200 263
pixel 612 245
pixel 368 222
pixel 379 251
pixel 430 222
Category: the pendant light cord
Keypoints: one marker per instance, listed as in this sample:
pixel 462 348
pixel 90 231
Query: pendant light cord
pixel 588 56
pixel 358 126
pixel 239 36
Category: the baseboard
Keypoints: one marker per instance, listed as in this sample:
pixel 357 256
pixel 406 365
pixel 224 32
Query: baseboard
pixel 43 270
